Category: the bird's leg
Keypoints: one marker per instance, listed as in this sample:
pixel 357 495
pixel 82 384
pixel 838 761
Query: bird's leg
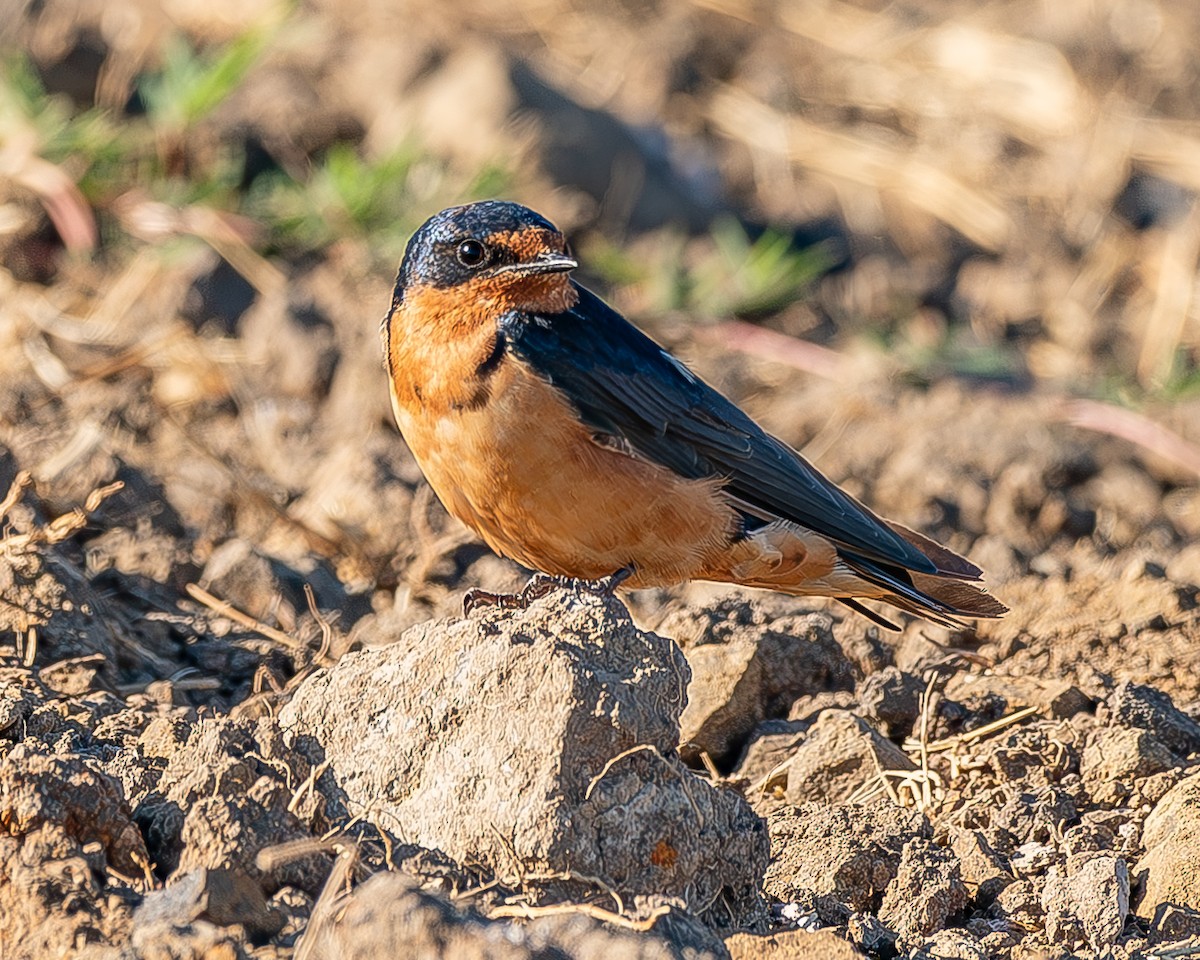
pixel 607 586
pixel 541 585
pixel 603 587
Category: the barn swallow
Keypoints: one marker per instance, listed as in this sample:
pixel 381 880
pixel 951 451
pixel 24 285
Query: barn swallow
pixel 577 446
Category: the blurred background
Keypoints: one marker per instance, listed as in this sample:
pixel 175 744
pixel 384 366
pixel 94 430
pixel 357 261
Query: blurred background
pixel 1001 190
pixel 970 225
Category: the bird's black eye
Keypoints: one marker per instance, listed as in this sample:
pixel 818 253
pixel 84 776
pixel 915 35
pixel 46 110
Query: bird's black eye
pixel 471 253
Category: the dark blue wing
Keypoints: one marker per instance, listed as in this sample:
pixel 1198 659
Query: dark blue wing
pixel 626 386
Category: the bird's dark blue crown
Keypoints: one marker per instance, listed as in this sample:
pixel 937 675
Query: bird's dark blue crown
pixel 429 257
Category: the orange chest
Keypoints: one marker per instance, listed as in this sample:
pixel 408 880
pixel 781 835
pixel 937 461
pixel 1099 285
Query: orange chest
pixel 523 472
pixel 509 434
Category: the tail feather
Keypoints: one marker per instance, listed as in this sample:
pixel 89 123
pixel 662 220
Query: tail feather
pixel 945 600
pixel 948 563
pixel 966 600
pixel 870 614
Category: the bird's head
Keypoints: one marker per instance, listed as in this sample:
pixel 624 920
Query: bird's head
pixel 493 252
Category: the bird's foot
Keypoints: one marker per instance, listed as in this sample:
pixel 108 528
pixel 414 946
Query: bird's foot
pixel 607 586
pixel 539 585
pixel 542 585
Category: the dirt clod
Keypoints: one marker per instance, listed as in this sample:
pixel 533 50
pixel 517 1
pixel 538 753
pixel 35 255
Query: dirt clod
pixel 577 709
pixel 952 944
pixel 750 660
pixel 1088 900
pixel 983 869
pixel 1140 707
pixel 63 825
pixel 839 755
pixel 890 700
pixel 40 789
pixel 1169 872
pixel 1115 757
pixel 791 945
pixel 846 853
pixel 390 910
pixel 221 897
pixel 926 891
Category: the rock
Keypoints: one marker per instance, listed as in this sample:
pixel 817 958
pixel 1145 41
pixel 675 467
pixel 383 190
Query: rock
pixel 749 663
pixel 1088 902
pixel 1177 812
pixel 1032 753
pixel 75 677
pixel 163 737
pixel 1019 904
pixel 806 709
pixel 20 695
pixel 294 907
pixel 1171 923
pixel 64 825
pixel 1064 700
pixel 791 945
pixel 866 650
pixel 1145 708
pixel 1036 815
pixel 770 746
pixel 848 853
pixel 1104 831
pixel 1152 789
pixel 544 736
pixel 38 788
pixel 1115 756
pixel 868 934
pixel 1059 698
pixel 1169 872
pixel 952 944
pixel 389 916
pixel 983 869
pixel 197 940
pixel 223 796
pixel 926 891
pixel 218 757
pixel 228 832
pixel 839 754
pixel 222 897
pixel 891 700
pixel 1033 857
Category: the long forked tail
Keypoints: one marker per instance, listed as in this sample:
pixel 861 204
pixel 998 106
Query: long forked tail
pixel 945 598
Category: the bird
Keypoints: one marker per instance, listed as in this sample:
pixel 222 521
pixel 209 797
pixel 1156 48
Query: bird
pixel 574 444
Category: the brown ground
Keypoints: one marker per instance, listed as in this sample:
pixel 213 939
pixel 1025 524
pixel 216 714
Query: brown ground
pixel 217 738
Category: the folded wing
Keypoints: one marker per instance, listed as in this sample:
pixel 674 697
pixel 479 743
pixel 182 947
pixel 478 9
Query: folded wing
pixel 628 389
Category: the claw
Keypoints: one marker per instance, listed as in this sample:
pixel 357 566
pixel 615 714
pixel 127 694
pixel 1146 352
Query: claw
pixel 540 585
pixel 607 586
pixel 475 598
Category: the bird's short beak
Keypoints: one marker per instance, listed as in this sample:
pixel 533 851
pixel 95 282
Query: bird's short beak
pixel 542 263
